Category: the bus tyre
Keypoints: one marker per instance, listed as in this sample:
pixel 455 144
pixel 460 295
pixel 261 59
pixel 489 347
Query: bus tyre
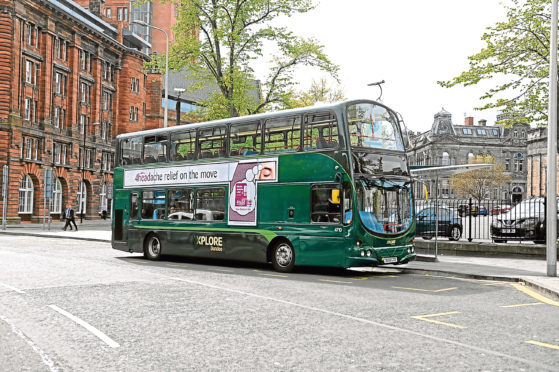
pixel 152 248
pixel 455 233
pixel 283 257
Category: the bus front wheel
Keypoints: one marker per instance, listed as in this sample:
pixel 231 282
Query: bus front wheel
pixel 152 248
pixel 283 257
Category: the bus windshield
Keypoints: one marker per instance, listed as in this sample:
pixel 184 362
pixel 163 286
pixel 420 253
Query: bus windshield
pixel 384 206
pixel 373 126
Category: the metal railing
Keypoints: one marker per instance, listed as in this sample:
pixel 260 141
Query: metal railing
pixel 485 220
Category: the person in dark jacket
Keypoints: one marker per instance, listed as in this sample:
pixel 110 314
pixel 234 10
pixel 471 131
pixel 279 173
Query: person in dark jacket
pixel 69 216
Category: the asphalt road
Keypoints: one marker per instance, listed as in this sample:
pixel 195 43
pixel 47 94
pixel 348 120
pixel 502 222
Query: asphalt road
pixel 73 305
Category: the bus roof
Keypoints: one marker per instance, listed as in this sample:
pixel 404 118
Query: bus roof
pixel 274 114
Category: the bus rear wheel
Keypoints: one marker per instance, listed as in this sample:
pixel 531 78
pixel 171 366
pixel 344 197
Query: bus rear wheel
pixel 152 248
pixel 283 257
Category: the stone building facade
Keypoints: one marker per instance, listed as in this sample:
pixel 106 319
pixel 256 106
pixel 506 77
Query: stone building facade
pixel 447 143
pixel 70 80
pixel 537 162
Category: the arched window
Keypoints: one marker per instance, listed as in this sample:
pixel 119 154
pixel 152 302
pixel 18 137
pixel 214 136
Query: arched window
pixel 446 158
pixel 82 198
pixel 103 198
pixel 56 201
pixel 26 195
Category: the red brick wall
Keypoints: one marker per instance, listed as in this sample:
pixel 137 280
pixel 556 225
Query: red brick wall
pixel 13 54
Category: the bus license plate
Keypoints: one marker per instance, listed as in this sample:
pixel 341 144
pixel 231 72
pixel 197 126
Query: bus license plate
pixel 509 231
pixel 390 259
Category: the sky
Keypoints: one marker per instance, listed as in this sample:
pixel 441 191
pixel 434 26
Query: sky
pixel 409 44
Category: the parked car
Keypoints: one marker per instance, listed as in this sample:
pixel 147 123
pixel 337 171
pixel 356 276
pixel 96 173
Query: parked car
pixel 499 209
pixel 526 221
pixel 450 224
pixel 464 210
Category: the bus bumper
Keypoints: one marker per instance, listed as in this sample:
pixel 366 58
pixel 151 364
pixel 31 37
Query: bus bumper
pixel 381 256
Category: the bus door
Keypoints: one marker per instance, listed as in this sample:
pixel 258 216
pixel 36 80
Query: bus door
pixel 126 210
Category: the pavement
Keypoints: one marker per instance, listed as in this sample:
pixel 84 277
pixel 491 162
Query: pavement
pixel 530 272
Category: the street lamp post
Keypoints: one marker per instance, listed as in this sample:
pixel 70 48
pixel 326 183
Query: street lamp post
pixel 166 67
pixel 178 106
pixel 551 210
pixel 378 84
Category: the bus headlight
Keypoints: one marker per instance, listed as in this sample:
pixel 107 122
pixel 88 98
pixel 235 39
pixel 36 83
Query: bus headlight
pixel 362 253
pixel 369 253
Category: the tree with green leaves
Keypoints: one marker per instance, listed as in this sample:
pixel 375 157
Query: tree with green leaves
pixel 219 42
pixel 479 183
pixel 516 58
pixel 319 91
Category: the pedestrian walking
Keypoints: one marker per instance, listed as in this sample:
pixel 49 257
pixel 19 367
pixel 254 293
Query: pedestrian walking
pixel 69 216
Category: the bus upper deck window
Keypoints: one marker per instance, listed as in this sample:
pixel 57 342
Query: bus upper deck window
pixel 212 142
pixel 155 149
pixel 183 145
pixel 131 151
pixel 321 131
pixel 282 135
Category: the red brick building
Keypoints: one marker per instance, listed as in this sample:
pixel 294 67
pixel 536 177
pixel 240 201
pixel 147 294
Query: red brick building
pixel 70 80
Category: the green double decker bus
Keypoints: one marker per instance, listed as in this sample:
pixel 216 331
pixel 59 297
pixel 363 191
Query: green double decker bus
pixel 317 186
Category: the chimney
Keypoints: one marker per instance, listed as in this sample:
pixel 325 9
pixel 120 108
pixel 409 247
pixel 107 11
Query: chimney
pixel 469 121
pixel 95 7
pixel 482 123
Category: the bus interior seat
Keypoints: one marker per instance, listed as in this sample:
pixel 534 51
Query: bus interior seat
pixel 149 159
pixel 333 144
pixel 234 153
pixel 178 156
pixel 200 217
pixel 207 155
pixel 323 218
pixel 161 159
pixel 250 152
pixel 190 156
pixel 321 143
pixel 221 154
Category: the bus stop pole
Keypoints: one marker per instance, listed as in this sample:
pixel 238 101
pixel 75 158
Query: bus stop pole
pixel 551 210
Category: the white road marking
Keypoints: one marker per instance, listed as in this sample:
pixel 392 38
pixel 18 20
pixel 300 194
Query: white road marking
pixel 370 322
pixel 103 337
pixel 44 357
pixel 12 288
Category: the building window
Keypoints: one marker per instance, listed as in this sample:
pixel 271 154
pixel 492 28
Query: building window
pixel 62 119
pixel 57 48
pixel 82 124
pixel 467 131
pixel 29 34
pixel 29 72
pixel 57 82
pixel 119 14
pixel 106 159
pixel 518 165
pixel 56 201
pixel 56 120
pixel 82 198
pixel 133 113
pixel 481 132
pixel 35 106
pixel 60 153
pixel 495 132
pixel 28 148
pixel 85 92
pixel 108 12
pixel 26 195
pixel 134 85
pixel 107 101
pixel 445 159
pixel 104 130
pixel 27 109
